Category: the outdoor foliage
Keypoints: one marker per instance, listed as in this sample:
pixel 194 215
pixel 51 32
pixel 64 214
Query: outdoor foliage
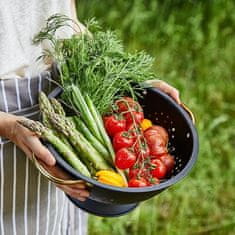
pixel 193 42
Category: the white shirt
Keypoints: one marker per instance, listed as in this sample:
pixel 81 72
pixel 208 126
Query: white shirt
pixel 20 20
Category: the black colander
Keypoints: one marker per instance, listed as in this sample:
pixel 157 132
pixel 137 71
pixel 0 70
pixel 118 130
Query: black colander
pixel 107 200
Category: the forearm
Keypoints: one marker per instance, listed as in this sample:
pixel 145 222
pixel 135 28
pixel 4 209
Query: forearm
pixel 7 122
pixel 80 28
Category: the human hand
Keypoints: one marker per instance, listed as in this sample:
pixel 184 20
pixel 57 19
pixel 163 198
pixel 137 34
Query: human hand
pixel 30 143
pixel 165 87
pixel 77 190
pixel 24 138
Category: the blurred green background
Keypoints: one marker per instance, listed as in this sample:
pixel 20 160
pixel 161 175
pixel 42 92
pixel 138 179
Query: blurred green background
pixel 194 46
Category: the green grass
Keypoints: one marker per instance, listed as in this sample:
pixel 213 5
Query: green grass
pixel 194 46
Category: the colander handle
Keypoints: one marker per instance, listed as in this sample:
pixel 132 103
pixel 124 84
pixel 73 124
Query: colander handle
pixel 52 178
pixel 190 113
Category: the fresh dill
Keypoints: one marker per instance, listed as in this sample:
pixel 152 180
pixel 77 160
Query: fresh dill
pixel 95 61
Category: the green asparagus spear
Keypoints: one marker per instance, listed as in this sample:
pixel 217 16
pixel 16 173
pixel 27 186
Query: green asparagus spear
pixel 81 126
pixel 45 105
pixel 48 107
pixel 57 107
pixel 99 123
pixel 79 142
pixel 86 115
pixel 62 148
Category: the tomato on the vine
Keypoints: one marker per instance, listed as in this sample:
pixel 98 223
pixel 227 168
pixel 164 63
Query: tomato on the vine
pixel 141 148
pixel 159 169
pixel 122 139
pixel 154 139
pixel 125 158
pixel 168 161
pixel 105 118
pixel 134 116
pixel 156 143
pixel 114 124
pixel 137 172
pixel 157 150
pixel 134 130
pixel 126 103
pixel 137 182
pixel 158 130
pixel 133 172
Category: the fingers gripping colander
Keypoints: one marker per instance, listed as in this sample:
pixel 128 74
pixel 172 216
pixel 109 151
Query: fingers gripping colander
pixel 107 200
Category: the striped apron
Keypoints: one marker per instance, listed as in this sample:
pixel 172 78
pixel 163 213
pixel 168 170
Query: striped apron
pixel 29 204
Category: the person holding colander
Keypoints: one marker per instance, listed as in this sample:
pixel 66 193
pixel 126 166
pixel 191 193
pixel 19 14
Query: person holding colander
pixel 29 204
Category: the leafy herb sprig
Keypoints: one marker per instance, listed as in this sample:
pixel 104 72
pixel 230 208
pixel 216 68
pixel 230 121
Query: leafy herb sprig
pixel 97 63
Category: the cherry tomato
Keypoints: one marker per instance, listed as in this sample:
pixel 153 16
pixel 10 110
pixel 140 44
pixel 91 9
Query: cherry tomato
pixel 114 124
pixel 134 115
pixel 160 130
pixel 127 103
pixel 125 158
pixel 133 172
pixel 157 150
pixel 122 139
pixel 134 131
pixel 169 162
pixel 159 169
pixel 105 118
pixel 154 139
pixel 156 143
pixel 137 172
pixel 141 148
pixel 140 182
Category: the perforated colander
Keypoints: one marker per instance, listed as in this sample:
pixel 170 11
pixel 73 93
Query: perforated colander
pixel 107 200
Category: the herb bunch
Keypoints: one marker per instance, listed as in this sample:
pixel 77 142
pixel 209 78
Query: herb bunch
pixel 97 63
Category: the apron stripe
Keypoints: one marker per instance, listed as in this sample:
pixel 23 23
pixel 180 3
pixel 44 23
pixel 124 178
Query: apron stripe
pixel 38 203
pixel 79 223
pixel 61 216
pixel 65 218
pixel 48 77
pixel 14 192
pixel 40 83
pixel 26 195
pixel 18 94
pixel 56 210
pixel 4 96
pixel 48 207
pixel 32 114
pixel 72 219
pixel 25 109
pixel 68 218
pixel 29 91
pixel 2 186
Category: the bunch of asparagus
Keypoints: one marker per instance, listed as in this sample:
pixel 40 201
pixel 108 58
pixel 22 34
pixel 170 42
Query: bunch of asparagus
pixel 77 144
